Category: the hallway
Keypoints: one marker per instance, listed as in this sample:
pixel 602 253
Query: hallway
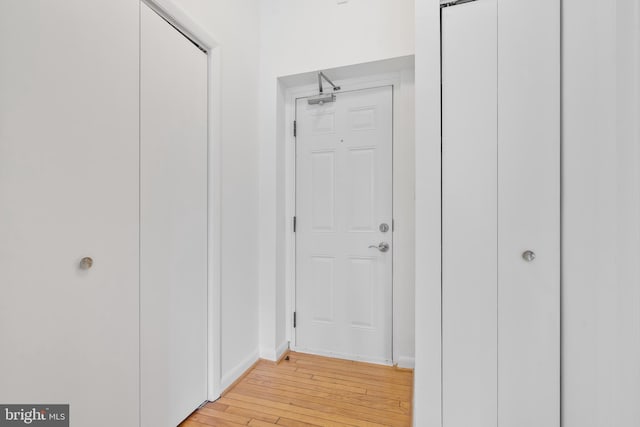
pixel 309 390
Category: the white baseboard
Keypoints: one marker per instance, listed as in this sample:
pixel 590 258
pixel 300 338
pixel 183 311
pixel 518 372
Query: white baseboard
pixel 274 354
pixel 238 370
pixel 406 362
pixel 268 354
pixel 282 348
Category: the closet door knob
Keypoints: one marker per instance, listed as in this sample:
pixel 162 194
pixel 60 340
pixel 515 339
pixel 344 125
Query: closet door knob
pixel 528 256
pixel 86 263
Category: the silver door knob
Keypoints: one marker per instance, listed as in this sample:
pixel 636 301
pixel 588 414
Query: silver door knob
pixel 382 247
pixel 528 256
pixel 86 263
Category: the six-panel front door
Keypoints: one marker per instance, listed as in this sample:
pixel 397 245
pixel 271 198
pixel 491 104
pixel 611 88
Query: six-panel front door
pixel 344 239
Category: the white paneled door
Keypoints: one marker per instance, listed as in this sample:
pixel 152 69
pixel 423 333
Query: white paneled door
pixel 69 190
pixel 344 242
pixel 173 223
pixel 501 214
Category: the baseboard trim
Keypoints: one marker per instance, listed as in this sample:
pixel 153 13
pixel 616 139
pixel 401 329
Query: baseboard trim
pixel 282 350
pixel 274 354
pixel 238 372
pixel 405 362
pixel 230 380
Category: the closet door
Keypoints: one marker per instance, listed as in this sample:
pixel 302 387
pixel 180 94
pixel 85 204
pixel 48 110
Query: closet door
pixel 529 213
pixel 173 240
pixel 69 190
pixel 469 215
pixel 501 213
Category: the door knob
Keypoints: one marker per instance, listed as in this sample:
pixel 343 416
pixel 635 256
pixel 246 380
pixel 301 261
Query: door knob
pixel 382 247
pixel 86 263
pixel 528 256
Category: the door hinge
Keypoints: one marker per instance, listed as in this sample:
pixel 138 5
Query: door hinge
pixel 393 225
pixel 294 319
pixel 295 220
pixel 295 128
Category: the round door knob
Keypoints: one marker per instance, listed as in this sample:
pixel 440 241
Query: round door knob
pixel 86 263
pixel 528 256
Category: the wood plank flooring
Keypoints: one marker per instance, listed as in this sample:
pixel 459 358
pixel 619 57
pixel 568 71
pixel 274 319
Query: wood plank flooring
pixel 309 390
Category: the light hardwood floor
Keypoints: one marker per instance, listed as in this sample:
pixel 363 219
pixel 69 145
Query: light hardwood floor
pixel 311 390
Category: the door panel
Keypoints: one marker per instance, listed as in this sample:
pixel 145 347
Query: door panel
pixel 173 223
pixel 529 212
pixel 469 214
pixel 343 194
pixel 323 289
pixel 322 190
pixel 361 164
pixel 69 189
pixel 361 283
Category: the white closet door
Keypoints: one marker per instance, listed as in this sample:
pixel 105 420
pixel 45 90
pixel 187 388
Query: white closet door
pixel 501 184
pixel 173 223
pixel 68 190
pixel 469 214
pixel 529 212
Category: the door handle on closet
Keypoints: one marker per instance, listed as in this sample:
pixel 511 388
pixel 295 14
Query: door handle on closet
pixel 528 256
pixel 86 263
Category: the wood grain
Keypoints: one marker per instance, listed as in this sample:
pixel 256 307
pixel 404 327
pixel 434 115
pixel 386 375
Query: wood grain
pixel 309 390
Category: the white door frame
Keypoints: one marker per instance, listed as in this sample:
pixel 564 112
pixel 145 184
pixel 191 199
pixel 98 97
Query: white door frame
pixel 291 95
pixel 176 16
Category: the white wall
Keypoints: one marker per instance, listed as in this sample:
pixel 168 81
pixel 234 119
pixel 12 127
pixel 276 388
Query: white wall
pixel 601 214
pixel 235 25
pixel 296 37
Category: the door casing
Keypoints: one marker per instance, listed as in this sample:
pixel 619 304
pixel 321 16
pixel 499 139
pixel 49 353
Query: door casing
pixel 291 95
